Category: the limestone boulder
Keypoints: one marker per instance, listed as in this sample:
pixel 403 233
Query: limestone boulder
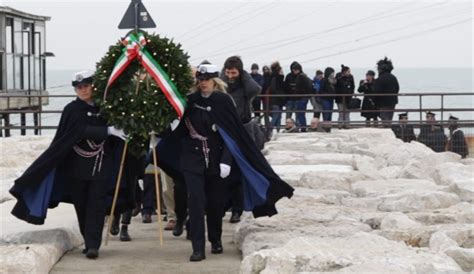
pixel 397 220
pixel 458 213
pixel 367 251
pixel 293 173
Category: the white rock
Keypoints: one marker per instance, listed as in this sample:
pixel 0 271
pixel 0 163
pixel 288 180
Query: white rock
pixel 458 213
pixel 397 220
pixel 313 254
pixel 463 256
pixel 293 173
pixel 329 180
pixel 374 188
pixel 47 243
pixel 440 242
pixel 411 201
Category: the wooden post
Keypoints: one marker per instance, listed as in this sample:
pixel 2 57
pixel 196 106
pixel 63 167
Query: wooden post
pixel 158 198
pixel 117 187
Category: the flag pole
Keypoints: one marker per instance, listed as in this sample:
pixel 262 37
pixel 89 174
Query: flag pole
pixel 158 198
pixel 117 188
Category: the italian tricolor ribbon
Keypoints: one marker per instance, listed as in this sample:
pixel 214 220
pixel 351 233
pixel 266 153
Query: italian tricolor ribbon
pixel 135 49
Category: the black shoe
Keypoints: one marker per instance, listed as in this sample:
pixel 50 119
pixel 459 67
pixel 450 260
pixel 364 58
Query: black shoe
pixel 92 253
pixel 216 247
pixel 178 229
pixel 235 218
pixel 124 237
pixel 197 256
pixel 115 229
pixel 136 210
pixel 146 218
pixel 84 251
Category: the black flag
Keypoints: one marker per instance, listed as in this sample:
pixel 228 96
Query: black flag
pixel 136 17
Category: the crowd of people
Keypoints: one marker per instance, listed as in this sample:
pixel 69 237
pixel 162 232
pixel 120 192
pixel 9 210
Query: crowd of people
pixel 291 93
pixel 210 160
pixel 329 88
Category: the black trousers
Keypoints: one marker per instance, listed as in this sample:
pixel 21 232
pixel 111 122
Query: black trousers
pixel 180 200
pixel 89 201
pixel 206 194
pixel 235 190
pixel 149 194
pixel 126 217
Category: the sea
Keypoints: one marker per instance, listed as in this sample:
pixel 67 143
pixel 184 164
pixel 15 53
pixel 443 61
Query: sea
pixel 411 80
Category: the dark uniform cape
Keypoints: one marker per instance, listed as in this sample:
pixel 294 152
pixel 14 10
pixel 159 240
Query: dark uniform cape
pixel 458 144
pixel 406 133
pixel 433 137
pixel 262 187
pixel 45 183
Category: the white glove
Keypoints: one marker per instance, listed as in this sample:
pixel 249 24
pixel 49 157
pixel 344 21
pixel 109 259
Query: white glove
pixel 174 124
pixel 117 132
pixel 225 170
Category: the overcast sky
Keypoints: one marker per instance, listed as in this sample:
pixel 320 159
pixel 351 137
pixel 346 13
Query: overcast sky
pixel 315 33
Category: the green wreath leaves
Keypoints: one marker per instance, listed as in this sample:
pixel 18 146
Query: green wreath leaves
pixel 134 101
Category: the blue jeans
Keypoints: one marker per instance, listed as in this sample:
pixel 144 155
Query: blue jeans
pixel 328 104
pixel 276 117
pixel 301 104
pixel 290 107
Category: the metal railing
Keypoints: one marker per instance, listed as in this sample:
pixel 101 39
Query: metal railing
pixel 266 109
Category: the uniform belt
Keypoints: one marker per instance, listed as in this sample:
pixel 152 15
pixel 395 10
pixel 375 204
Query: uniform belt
pixel 195 135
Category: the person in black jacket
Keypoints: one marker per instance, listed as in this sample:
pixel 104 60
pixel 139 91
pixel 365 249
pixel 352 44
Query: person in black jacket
pixel 277 87
pixel 297 82
pixel 328 87
pixel 74 169
pixel 209 138
pixel 386 83
pixel 457 143
pixel 403 130
pixel 345 86
pixel 258 78
pixel 366 87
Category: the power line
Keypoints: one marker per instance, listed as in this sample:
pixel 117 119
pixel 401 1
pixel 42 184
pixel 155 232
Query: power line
pixel 206 25
pixel 253 15
pixel 299 38
pixel 403 37
pixel 435 18
pixel 273 28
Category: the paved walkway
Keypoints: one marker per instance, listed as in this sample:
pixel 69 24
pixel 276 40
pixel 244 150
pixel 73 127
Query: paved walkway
pixel 145 255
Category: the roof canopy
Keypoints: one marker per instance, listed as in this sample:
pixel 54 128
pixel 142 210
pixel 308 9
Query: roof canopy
pixel 17 13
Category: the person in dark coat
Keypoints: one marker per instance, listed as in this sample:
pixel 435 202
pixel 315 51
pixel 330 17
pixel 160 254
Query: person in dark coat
pixel 74 168
pixel 366 87
pixel 403 130
pixel 432 134
pixel 258 78
pixel 328 87
pixel 267 77
pixel 344 86
pixel 210 137
pixel 297 82
pixel 457 142
pixel 317 101
pixel 243 90
pixel 386 83
pixel 277 87
pixel 240 86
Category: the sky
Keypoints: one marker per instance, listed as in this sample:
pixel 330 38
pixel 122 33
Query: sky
pixel 315 33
